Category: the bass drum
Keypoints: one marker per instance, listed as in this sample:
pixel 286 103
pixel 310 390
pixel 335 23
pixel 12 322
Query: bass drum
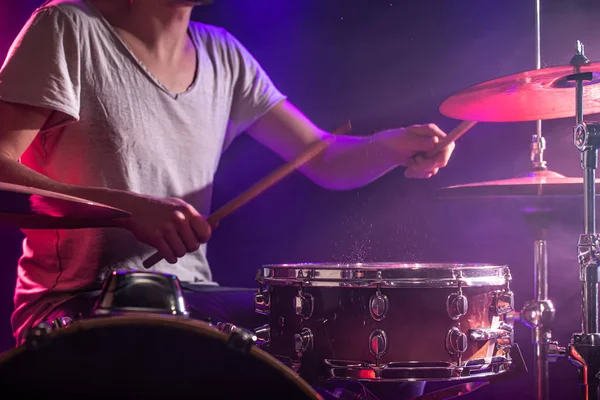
pixel 146 356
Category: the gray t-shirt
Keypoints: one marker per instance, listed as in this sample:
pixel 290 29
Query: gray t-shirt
pixel 114 125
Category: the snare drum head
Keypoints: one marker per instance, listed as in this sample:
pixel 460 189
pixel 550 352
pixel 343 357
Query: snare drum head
pixel 146 355
pixel 387 274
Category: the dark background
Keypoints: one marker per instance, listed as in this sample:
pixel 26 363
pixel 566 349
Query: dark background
pixel 385 64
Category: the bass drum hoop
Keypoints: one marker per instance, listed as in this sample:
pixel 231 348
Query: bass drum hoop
pixel 193 326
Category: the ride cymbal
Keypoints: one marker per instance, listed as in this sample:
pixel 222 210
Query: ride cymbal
pixel 537 183
pixel 527 96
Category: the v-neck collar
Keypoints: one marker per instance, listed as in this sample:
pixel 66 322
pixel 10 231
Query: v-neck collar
pixel 141 65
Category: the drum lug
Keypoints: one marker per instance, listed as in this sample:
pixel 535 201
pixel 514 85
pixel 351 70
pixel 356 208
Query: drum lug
pixel 378 343
pixel 263 335
pixel 262 303
pixel 456 341
pixel 457 305
pixel 36 336
pixel 503 335
pixel 61 322
pixel 503 302
pixel 303 341
pixel 241 340
pixel 378 306
pixel 226 327
pixel 304 304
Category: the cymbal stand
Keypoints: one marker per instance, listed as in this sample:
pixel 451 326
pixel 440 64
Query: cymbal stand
pixel 584 349
pixel 538 314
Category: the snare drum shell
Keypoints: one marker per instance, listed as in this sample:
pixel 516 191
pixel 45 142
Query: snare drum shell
pixel 415 327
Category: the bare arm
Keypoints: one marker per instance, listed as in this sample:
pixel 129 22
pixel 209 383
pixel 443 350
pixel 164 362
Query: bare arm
pixel 20 125
pixel 170 225
pixel 351 161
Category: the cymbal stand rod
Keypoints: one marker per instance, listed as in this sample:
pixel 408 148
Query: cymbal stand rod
pixel 541 334
pixel 543 306
pixel 539 314
pixel 538 143
pixel 584 349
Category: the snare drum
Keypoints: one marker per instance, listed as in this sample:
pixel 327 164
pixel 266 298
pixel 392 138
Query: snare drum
pixel 146 356
pixel 387 321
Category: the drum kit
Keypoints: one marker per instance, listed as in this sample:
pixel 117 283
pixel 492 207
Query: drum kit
pixel 331 323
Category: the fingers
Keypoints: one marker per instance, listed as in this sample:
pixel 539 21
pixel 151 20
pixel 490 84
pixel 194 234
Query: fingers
pixel 428 130
pixel 439 160
pixel 164 249
pixel 187 231
pixel 199 227
pixel 189 239
pixel 420 174
pixel 423 138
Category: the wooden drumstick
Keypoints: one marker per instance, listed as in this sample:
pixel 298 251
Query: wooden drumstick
pixel 453 136
pixel 268 181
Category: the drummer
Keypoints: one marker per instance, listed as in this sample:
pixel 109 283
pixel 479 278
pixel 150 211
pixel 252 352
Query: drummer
pixel 128 103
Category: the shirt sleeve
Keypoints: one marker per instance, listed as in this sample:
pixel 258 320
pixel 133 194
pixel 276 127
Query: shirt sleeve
pixel 254 92
pixel 42 68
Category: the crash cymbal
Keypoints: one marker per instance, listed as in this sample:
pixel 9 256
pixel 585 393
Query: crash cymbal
pixel 29 207
pixel 527 96
pixel 537 183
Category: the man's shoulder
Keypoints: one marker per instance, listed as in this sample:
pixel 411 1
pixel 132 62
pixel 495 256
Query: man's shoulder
pixel 74 9
pixel 209 32
pixel 216 39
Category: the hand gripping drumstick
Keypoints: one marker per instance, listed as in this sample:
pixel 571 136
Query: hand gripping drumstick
pixel 311 152
pixel 453 136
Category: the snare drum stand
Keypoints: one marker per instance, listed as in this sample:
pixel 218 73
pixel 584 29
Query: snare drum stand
pixel 584 349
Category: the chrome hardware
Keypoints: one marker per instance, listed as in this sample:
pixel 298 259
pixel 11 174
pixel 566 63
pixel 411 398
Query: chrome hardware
pixel 512 316
pixel 457 305
pixel 538 314
pixel 262 303
pixel 378 343
pixel 555 351
pixel 586 135
pixel 61 322
pixel 420 371
pixel 241 340
pixel 456 341
pixel 538 146
pixel 503 302
pixel 378 306
pixel 503 336
pixel 38 335
pixel 393 275
pixel 304 304
pixel 281 321
pixel 303 341
pixel 263 335
pixel 226 328
pixel 147 292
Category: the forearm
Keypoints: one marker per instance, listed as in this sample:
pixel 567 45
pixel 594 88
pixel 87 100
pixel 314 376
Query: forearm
pixel 11 171
pixel 351 162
